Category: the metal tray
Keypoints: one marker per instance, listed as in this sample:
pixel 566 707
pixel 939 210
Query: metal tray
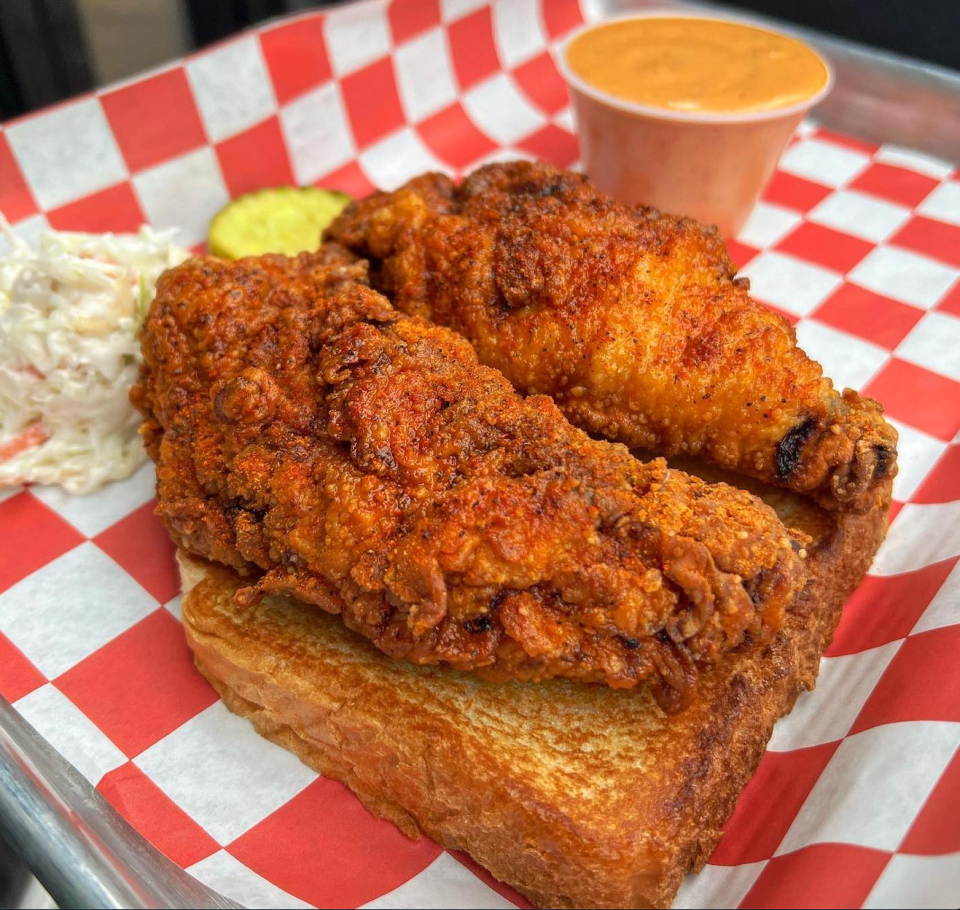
pixel 79 847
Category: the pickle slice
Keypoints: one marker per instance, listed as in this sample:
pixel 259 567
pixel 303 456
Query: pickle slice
pixel 283 219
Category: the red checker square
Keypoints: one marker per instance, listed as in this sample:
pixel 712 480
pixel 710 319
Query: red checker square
pixel 16 200
pixel 823 245
pixel 503 890
pixel 160 820
pixel 769 803
pixel 141 685
pixel 542 83
pixel 885 608
pixel 868 315
pixel 349 179
pixel 17 675
pixel 115 209
pixel 140 544
pixel 296 57
pixel 950 302
pixel 326 849
pixel 895 507
pixel 472 48
pixel 740 253
pixel 935 829
pixel 907 690
pixel 561 16
pixel 154 119
pixel 409 18
pixel 932 238
pixel 916 396
pixel 41 536
pixel 452 136
pixel 942 484
pixel 896 183
pixel 372 102
pixel 255 158
pixel 851 142
pixel 795 192
pixel 821 875
pixel 552 144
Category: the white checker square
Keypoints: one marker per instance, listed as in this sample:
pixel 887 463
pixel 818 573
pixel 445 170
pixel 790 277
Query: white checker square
pixel 915 161
pixel 206 767
pixel 768 224
pixel 498 108
pixel 232 87
pixel 904 275
pixel 10 492
pixel 823 162
pixel 849 361
pixel 934 343
pixel 789 283
pixel 923 533
pixel 565 120
pixel 457 9
pixel 97 511
pixel 184 193
pixel 517 31
pixel 917 453
pixel 445 883
pixel 28 230
pixel 917 883
pixel 67 153
pixel 874 785
pixel 827 713
pixel 425 75
pixel 718 887
pixel 944 609
pixel 392 161
pixel 231 878
pixel 357 34
pixel 175 607
pixel 807 126
pixel 317 134
pixel 77 738
pixel 594 11
pixel 860 215
pixel 74 605
pixel 943 203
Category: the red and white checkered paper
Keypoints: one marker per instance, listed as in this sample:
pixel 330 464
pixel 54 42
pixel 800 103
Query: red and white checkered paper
pixel 856 801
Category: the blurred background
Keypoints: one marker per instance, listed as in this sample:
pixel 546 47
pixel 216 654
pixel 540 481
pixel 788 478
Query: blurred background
pixel 53 49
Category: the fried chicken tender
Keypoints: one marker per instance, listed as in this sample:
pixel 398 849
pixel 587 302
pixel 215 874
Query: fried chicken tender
pixel 328 447
pixel 632 321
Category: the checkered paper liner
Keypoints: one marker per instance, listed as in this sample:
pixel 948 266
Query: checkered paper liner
pixel 855 802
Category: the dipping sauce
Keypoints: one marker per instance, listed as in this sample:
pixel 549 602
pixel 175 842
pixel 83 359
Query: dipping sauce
pixel 695 65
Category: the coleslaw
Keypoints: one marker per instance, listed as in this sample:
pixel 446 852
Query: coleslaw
pixel 70 312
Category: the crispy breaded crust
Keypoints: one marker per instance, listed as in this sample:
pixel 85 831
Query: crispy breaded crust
pixel 576 795
pixel 330 448
pixel 631 320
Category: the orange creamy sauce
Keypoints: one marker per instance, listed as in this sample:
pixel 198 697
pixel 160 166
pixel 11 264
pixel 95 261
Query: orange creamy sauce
pixel 686 64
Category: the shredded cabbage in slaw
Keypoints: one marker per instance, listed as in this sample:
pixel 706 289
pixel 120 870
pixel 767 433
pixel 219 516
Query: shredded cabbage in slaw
pixel 69 353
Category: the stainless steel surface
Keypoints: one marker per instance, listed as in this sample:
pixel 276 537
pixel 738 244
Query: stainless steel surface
pixel 82 851
pixel 879 96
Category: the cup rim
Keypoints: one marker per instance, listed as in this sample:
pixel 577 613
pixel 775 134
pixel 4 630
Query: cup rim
pixel 701 117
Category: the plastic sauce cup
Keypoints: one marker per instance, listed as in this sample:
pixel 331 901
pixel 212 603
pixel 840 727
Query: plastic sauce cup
pixel 706 165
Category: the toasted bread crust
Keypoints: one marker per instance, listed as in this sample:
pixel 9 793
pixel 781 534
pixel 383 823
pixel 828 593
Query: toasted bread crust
pixel 577 796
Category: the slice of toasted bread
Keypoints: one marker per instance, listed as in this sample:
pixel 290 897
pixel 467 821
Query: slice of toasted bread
pixel 576 795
